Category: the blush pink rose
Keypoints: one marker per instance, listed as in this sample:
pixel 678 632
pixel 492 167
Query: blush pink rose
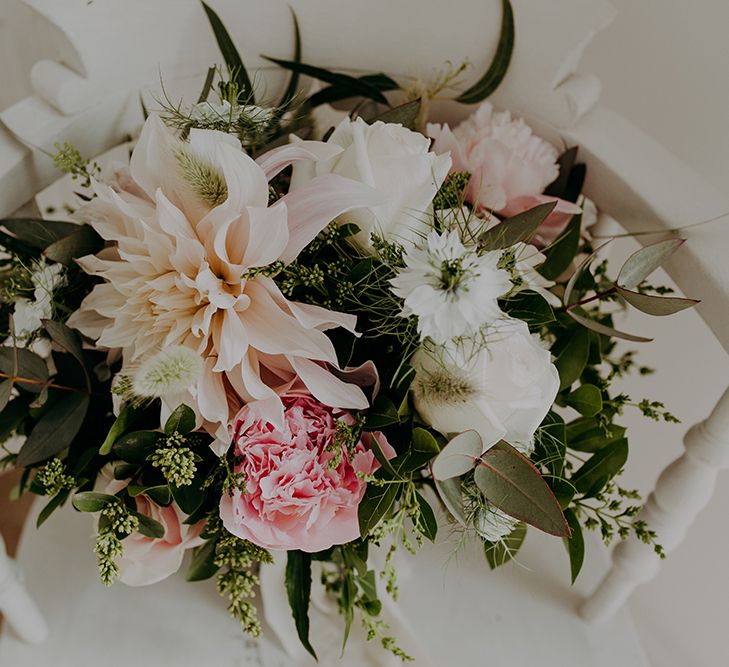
pixel 509 165
pixel 146 560
pixel 296 495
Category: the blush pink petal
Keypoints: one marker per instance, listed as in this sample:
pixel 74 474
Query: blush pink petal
pixel 277 159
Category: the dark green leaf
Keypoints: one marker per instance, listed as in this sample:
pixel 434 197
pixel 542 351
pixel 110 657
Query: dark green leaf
pixel 586 435
pixel 207 86
pixel 69 340
pixel 189 497
pixel 510 481
pixel 501 552
pixel 381 457
pixel 149 527
pixel 496 72
pixel 203 564
pixel 561 253
pixel 518 228
pixel 404 114
pixel 572 359
pixel 566 161
pixel 424 442
pixel 135 447
pixel 56 429
pixel 90 501
pixel 563 491
pixel 52 505
pixel 126 419
pixel 529 307
pixel 182 421
pixel 18 362
pixel 6 387
pixel 575 544
pixel 290 92
pixel 451 494
pixel 336 93
pixel 655 305
pixel 427 524
pixel 382 413
pixel 12 416
pixel 347 597
pixel 159 493
pixel 604 330
pixel 604 464
pixel 298 588
pixel 230 55
pixel 586 399
pixel 39 233
pixel 375 504
pixel 84 241
pixel 355 87
pixel 550 443
pixel 645 261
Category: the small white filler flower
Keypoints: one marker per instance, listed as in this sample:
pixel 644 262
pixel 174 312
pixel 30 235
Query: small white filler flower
pixel 452 289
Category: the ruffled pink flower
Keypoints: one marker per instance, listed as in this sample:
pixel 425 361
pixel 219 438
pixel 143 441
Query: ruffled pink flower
pixel 146 560
pixel 302 485
pixel 510 166
pixel 193 232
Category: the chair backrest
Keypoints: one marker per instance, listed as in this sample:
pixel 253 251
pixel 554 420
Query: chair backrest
pixel 108 51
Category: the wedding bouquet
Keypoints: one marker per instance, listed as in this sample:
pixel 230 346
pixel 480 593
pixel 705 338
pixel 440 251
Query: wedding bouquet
pixel 292 330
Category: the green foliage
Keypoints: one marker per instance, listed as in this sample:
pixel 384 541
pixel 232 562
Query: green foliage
pixel 501 552
pixel 298 589
pixel 68 160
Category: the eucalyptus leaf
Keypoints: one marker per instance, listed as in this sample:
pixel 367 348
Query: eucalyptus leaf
pixel 459 456
pixel 575 544
pixel 230 55
pixel 6 387
pixel 496 72
pixel 38 233
pixel 604 464
pixel 83 241
pixel 55 430
pixel 645 261
pixel 655 305
pixel 19 362
pixel 586 399
pixel 518 228
pixel 512 483
pixel 90 501
pixel 203 565
pixel 298 589
pixel 501 552
pixel 451 494
pixel 69 340
pixel 605 330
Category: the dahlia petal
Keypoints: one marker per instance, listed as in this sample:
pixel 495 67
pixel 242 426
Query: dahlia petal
pixel 327 388
pixel 268 235
pixel 277 159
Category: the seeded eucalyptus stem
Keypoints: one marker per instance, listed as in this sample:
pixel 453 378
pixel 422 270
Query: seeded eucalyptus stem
pixel 596 297
pixel 51 385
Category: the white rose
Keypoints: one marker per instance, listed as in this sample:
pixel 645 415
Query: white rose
pixel 392 159
pixel 502 391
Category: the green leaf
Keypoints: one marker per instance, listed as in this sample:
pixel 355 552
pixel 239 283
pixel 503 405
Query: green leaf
pixel 18 362
pixel 90 501
pixel 518 228
pixel 424 442
pixel 496 72
pixel 404 114
pixel 586 435
pixel 290 92
pixel 572 360
pixel 459 456
pixel 561 253
pixel 529 307
pixel 190 496
pixel 381 458
pixel 83 241
pixel 182 421
pixel 127 417
pixel 645 261
pixel 501 552
pixel 376 502
pixel 382 413
pixel 565 162
pixel 56 429
pixel 6 387
pixel 52 505
pixel 203 564
pixel 159 493
pixel 563 491
pixel 604 464
pixel 69 340
pixel 12 416
pixel 39 233
pixel 575 544
pixel 550 443
pixel 511 482
pixel 354 86
pixel 655 305
pixel 605 330
pixel 336 93
pixel 586 399
pixel 347 597
pixel 207 86
pixel 135 447
pixel 230 55
pixel 149 527
pixel 298 588
pixel 427 524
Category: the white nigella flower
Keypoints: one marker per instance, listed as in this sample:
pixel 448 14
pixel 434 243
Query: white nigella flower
pixel 451 289
pixel 171 371
pixel 526 260
pixel 28 313
pixel 493 525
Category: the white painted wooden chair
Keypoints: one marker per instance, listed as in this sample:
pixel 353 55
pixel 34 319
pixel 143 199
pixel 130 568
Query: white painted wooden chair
pixel 106 52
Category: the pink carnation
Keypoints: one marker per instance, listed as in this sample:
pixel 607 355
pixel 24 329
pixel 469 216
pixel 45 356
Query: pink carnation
pixel 509 165
pixel 147 560
pixel 298 493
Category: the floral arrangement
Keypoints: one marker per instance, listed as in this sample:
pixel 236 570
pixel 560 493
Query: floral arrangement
pixel 253 343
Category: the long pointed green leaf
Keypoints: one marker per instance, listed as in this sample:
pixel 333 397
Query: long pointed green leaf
pixel 298 588
pixel 592 325
pixel 645 261
pixel 291 89
pixel 575 544
pixel 496 72
pixel 336 93
pixel 230 54
pixel 518 228
pixel 655 305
